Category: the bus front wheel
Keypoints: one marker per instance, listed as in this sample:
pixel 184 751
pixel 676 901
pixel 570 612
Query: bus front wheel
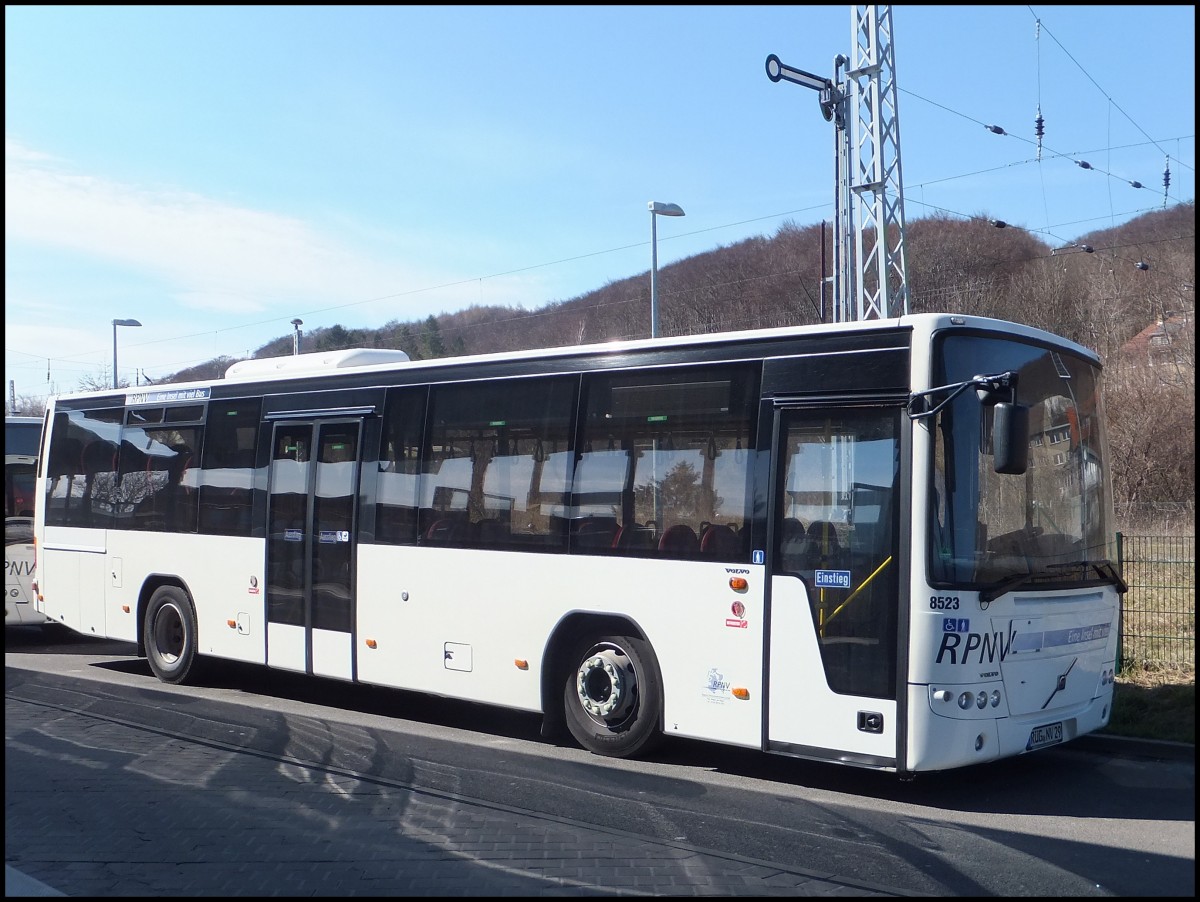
pixel 170 634
pixel 613 696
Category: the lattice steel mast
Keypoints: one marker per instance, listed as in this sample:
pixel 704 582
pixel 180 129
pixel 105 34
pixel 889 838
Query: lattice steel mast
pixel 870 280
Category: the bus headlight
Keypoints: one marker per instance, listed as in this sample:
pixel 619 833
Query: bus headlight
pixel 981 700
pixel 964 700
pixel 995 698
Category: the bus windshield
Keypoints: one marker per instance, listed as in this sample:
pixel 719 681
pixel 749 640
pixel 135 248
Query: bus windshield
pixel 995 531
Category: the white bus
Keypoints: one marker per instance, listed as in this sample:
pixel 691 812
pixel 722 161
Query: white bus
pixel 22 436
pixel 884 544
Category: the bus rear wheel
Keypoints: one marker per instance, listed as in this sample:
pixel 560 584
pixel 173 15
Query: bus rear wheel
pixel 612 696
pixel 170 634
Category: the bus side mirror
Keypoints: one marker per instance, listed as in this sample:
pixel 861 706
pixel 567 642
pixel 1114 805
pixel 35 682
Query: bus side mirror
pixel 1010 438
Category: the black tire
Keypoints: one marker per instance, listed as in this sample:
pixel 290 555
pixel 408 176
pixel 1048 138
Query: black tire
pixel 170 634
pixel 612 696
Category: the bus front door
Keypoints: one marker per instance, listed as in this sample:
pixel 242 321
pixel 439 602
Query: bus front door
pixel 835 584
pixel 310 546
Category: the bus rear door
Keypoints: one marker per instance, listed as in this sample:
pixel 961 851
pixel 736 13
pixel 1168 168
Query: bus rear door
pixel 311 540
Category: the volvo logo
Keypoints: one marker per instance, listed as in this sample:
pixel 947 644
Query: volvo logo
pixel 1060 685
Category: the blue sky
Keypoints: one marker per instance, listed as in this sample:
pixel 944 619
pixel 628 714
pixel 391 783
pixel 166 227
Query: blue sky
pixel 214 172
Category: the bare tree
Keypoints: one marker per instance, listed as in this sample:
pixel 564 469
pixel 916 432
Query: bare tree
pixel 26 406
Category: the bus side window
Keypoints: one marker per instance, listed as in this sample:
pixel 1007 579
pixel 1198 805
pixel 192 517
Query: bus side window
pixel 227 467
pixel 397 494
pixel 665 454
pixel 823 548
pixel 720 542
pixel 594 532
pixel 680 541
pixel 81 466
pixel 792 543
pixel 498 460
pixel 841 475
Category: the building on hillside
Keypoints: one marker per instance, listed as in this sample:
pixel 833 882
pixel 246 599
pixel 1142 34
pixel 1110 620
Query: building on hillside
pixel 1166 348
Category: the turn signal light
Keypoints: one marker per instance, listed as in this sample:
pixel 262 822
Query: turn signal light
pixel 739 692
pixel 125 608
pixel 521 664
pixel 371 643
pixel 739 583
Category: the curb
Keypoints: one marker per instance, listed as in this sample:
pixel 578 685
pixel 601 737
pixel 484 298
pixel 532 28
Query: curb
pixel 1131 746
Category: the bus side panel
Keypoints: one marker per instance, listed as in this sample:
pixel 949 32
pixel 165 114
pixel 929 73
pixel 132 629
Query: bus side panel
pixel 453 622
pixel 804 712
pixel 57 573
pixel 450 622
pixel 71 578
pixel 223 574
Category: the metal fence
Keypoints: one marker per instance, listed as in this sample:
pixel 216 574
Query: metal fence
pixel 1158 624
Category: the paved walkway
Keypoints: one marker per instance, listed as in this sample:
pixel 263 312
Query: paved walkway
pixel 98 807
pixel 17 883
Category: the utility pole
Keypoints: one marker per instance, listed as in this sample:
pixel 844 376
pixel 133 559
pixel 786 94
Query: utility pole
pixel 870 274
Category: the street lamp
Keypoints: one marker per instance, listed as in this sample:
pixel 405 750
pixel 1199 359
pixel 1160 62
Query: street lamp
pixel 296 338
pixel 115 323
pixel 657 209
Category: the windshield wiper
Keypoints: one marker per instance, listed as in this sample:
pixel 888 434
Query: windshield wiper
pixel 1104 567
pixel 992 591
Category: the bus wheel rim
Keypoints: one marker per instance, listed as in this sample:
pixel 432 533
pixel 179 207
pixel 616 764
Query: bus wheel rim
pixel 168 633
pixel 605 684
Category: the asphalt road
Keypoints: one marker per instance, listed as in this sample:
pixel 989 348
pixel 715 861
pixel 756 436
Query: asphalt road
pixel 260 782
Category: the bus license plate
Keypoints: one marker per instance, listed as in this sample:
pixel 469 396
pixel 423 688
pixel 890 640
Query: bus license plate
pixel 1040 737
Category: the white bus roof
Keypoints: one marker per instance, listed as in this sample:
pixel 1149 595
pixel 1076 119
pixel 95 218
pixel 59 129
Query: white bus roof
pixel 382 360
pixel 316 362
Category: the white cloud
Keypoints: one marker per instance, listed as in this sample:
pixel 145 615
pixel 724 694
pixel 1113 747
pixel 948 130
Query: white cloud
pixel 211 255
pixel 221 279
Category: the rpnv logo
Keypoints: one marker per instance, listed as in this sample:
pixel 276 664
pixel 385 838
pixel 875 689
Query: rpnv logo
pixel 832 579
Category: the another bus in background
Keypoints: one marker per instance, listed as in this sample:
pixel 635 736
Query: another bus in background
pixel 22 435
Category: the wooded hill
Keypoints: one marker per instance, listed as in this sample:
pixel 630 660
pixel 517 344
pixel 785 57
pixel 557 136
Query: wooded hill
pixel 1130 298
